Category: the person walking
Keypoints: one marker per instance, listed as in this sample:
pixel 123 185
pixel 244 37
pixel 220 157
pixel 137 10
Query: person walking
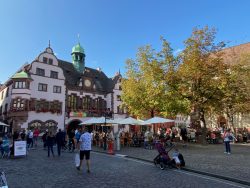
pixel 228 137
pixel 50 143
pixel 104 138
pixel 184 136
pixel 71 136
pixel 78 135
pixel 23 135
pixel 35 136
pixel 146 139
pixel 44 138
pixel 84 146
pixel 30 139
pixel 59 141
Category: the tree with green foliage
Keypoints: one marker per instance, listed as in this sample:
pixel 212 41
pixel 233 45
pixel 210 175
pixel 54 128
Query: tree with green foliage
pixel 236 88
pixel 145 90
pixel 198 78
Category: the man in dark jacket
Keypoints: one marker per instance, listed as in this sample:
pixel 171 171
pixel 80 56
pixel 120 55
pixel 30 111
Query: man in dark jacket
pixel 44 138
pixel 59 141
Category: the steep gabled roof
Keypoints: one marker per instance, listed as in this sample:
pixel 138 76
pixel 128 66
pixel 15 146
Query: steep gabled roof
pixel 72 77
pixel 231 54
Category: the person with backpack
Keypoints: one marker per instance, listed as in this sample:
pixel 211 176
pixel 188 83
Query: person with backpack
pixel 59 141
pixel 228 137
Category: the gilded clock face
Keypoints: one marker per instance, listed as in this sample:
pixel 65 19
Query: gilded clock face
pixel 87 83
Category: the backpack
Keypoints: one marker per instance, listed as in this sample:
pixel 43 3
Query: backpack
pixel 78 135
pixel 230 137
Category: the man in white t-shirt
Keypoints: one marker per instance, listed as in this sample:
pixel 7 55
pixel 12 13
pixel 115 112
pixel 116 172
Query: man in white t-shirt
pixel 30 139
pixel 85 147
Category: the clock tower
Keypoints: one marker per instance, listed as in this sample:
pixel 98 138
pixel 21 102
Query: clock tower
pixel 78 58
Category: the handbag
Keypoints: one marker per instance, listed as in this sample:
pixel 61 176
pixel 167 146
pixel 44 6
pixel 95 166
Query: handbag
pixel 77 159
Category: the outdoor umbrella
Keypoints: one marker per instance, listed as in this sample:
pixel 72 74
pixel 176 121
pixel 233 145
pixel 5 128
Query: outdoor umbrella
pixel 115 121
pixel 130 121
pixel 158 120
pixel 3 124
pixel 96 120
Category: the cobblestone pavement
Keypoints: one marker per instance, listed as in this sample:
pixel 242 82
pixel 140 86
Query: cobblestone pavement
pixel 39 171
pixel 209 158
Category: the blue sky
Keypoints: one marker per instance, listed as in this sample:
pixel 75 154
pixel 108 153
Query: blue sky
pixel 110 30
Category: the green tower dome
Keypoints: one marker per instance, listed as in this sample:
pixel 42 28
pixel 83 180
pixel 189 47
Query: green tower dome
pixel 21 74
pixel 78 49
pixel 78 58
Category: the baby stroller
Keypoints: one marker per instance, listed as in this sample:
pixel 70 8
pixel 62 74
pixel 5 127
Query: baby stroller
pixel 3 181
pixel 163 159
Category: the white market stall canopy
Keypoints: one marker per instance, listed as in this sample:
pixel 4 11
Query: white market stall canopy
pixel 96 120
pixel 116 121
pixel 3 124
pixel 158 120
pixel 131 121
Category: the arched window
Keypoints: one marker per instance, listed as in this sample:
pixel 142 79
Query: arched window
pixel 72 101
pixel 84 103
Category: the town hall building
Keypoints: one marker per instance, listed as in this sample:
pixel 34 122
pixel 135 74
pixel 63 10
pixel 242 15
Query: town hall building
pixel 53 93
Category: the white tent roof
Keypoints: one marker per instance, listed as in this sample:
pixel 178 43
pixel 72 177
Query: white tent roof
pixel 130 121
pixel 158 120
pixel 3 124
pixel 95 120
pixel 116 121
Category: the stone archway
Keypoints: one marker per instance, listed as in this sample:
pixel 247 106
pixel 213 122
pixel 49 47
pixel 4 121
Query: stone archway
pixel 49 125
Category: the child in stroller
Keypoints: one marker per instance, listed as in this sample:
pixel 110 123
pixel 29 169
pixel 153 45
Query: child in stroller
pixel 178 159
pixel 163 158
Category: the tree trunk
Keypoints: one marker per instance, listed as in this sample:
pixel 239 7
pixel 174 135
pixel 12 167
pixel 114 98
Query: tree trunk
pixel 203 127
pixel 230 117
pixel 152 113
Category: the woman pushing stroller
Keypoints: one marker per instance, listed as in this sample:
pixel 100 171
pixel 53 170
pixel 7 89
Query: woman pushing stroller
pixel 164 160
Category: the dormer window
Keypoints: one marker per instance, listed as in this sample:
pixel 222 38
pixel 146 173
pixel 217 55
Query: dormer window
pixel 45 59
pixel 50 61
